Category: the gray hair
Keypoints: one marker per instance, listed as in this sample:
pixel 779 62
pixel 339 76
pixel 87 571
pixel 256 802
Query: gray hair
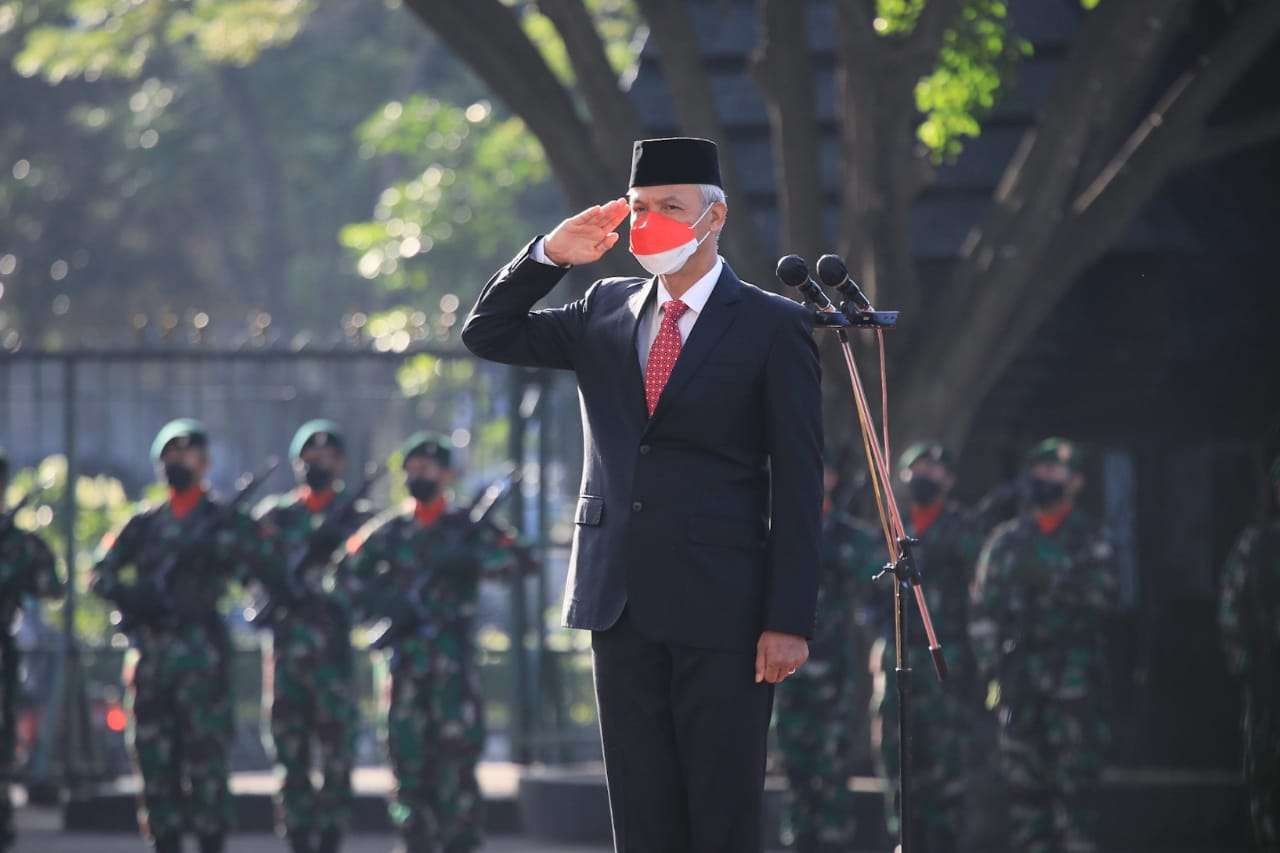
pixel 711 194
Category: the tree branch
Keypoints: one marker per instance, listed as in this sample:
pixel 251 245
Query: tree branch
pixel 672 28
pixel 1119 107
pixel 1177 121
pixel 1223 141
pixel 857 54
pixel 1008 312
pixel 614 121
pixel 918 53
pixel 782 67
pixel 486 35
pixel 881 172
pixel 1116 41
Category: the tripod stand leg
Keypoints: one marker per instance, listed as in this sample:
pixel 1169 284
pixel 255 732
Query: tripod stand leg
pixel 902 674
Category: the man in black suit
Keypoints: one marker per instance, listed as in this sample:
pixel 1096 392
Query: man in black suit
pixel 696 547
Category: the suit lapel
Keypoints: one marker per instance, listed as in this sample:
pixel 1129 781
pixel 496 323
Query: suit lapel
pixel 626 335
pixel 716 318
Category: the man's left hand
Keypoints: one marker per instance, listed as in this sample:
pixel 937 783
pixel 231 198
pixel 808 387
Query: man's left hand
pixel 779 655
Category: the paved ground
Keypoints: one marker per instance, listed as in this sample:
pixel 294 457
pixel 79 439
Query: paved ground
pixel 39 832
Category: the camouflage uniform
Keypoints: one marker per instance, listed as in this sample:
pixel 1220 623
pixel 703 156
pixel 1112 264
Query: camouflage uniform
pixel 941 714
pixel 178 672
pixel 1039 601
pixel 26 569
pixel 816 708
pixel 1250 619
pixel 426 577
pixel 308 684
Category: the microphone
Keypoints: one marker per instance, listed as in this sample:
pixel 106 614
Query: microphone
pixel 794 272
pixel 833 273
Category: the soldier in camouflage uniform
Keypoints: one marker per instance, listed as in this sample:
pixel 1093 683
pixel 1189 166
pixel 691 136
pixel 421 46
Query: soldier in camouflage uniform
pixel 420 567
pixel 178 671
pixel 1250 620
pixel 816 712
pixel 941 714
pixel 1045 584
pixel 26 569
pixel 308 686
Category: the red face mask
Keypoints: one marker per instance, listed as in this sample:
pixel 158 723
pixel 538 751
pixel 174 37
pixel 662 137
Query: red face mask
pixel 661 244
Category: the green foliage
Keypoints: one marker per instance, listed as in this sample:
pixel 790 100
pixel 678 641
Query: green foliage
pixel 978 55
pixel 896 17
pixel 617 21
pixel 193 161
pixel 546 39
pixel 118 37
pixel 102 505
pixel 473 181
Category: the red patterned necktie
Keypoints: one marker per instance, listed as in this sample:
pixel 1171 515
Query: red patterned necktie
pixel 663 353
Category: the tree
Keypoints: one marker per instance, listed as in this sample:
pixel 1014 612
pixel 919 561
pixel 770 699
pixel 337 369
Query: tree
pixel 475 183
pixel 179 158
pixel 915 78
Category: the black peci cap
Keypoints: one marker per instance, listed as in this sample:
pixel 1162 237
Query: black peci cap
pixel 675 160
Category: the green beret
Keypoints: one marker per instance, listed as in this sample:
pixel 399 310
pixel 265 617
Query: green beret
pixel 186 432
pixel 930 450
pixel 428 444
pixel 1056 451
pixel 320 432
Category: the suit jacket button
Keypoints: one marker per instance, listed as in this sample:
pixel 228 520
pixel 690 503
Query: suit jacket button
pixel 644 449
pixel 637 506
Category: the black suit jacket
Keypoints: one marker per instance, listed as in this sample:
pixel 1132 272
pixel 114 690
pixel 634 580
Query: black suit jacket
pixel 705 518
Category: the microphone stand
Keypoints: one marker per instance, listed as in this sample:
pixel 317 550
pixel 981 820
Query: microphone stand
pixel 901 566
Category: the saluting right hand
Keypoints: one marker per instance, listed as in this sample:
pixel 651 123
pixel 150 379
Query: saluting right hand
pixel 584 238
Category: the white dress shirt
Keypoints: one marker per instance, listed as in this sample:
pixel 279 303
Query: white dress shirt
pixel 695 297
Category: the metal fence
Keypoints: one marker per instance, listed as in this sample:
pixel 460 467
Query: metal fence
pixel 100 409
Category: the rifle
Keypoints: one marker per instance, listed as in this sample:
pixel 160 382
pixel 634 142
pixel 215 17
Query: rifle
pixel 317 547
pixel 161 605
pixel 479 514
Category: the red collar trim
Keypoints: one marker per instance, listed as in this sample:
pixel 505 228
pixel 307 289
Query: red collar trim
pixel 1049 522
pixel 315 501
pixel 182 503
pixel 923 517
pixel 428 514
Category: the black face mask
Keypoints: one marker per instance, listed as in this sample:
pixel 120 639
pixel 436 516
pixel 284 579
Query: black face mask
pixel 1045 493
pixel 423 488
pixel 924 490
pixel 318 478
pixel 180 477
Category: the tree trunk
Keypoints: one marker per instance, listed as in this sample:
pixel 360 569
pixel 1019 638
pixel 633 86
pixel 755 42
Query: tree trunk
pixel 274 245
pixel 486 35
pixel 672 29
pixel 783 70
pixel 947 387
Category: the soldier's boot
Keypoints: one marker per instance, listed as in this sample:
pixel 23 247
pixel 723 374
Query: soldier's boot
pixel 330 840
pixel 167 843
pixel 213 843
